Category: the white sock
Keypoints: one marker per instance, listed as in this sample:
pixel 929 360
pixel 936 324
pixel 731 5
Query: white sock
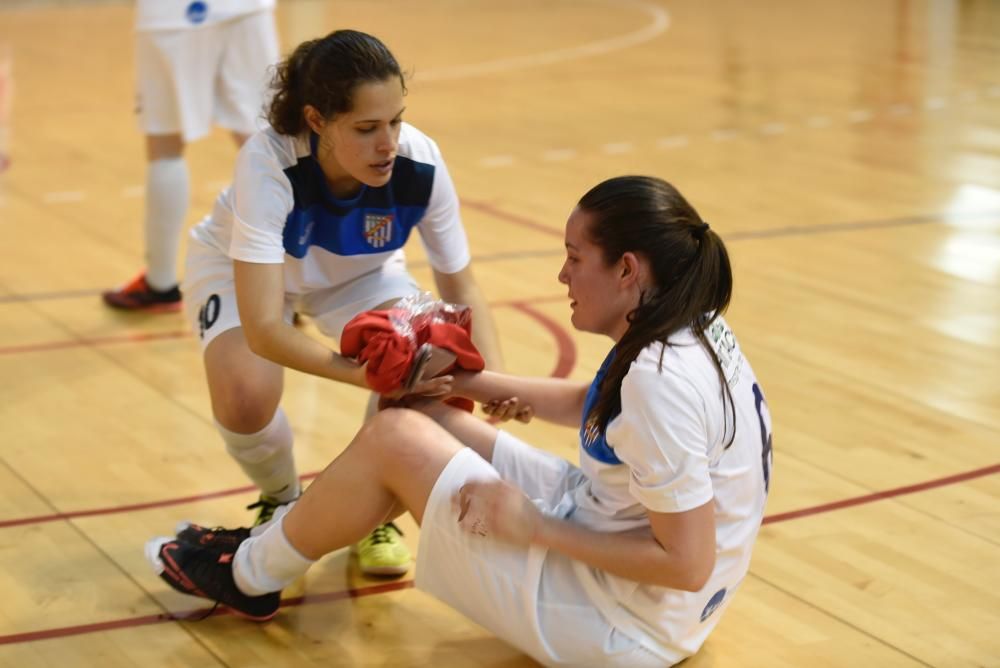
pixel 268 562
pixel 167 194
pixel 266 457
pixel 279 512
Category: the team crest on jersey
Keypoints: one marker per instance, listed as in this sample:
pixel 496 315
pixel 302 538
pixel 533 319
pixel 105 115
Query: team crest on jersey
pixel 378 229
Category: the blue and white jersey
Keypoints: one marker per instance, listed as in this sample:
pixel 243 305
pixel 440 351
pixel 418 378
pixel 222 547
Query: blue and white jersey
pixel 671 449
pixel 184 14
pixel 279 209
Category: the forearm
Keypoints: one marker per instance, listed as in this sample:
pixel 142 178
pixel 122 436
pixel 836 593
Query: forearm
pixel 461 288
pixel 556 400
pixel 484 331
pixel 634 555
pixel 283 344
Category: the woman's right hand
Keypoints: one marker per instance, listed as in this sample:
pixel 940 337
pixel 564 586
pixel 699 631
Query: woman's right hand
pixel 436 387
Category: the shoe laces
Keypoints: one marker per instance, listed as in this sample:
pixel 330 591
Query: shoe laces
pixel 267 506
pixel 381 535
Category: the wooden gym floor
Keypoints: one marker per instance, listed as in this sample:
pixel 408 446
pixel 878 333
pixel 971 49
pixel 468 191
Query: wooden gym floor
pixel 850 154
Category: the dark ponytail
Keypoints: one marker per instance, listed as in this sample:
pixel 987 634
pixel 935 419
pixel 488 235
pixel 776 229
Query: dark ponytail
pixel 690 265
pixel 324 73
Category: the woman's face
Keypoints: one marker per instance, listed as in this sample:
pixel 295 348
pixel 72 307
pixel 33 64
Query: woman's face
pixel 359 146
pixel 599 297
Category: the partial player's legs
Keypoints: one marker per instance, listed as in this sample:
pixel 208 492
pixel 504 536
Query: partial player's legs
pixel 396 458
pixel 167 193
pixel 246 390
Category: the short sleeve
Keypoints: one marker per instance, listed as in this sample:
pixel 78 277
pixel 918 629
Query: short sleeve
pixel 262 199
pixel 441 228
pixel 661 436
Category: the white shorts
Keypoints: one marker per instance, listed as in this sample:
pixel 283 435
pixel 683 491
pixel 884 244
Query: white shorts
pixel 188 79
pixel 209 290
pixel 529 598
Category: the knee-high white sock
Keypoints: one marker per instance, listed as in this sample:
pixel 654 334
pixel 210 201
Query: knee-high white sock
pixel 167 194
pixel 268 562
pixel 266 457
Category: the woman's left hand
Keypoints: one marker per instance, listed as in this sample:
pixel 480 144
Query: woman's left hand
pixel 499 510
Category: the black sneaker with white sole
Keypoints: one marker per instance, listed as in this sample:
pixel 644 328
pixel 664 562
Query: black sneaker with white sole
pixel 202 571
pixel 216 538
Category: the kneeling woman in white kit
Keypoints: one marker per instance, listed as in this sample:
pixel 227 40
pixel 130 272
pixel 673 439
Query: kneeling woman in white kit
pixel 628 559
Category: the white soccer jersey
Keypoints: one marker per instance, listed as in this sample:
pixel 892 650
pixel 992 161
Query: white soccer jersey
pixel 279 209
pixel 667 451
pixel 180 14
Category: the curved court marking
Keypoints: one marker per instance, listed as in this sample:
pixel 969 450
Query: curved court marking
pixel 660 21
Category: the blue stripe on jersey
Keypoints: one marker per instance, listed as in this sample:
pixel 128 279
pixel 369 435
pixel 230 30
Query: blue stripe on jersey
pixel 376 221
pixel 595 443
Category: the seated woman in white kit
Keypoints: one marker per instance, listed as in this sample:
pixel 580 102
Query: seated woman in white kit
pixel 629 559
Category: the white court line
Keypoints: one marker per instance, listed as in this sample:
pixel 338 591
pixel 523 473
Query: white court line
pixel 64 197
pixel 935 103
pixel 859 116
pixel 658 25
pixel 494 161
pixel 773 129
pixel 994 91
pixel 678 141
pixel 818 122
pixel 724 134
pixel 617 148
pixel 559 154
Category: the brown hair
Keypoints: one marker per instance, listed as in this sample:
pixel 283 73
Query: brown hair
pixel 690 265
pixel 324 73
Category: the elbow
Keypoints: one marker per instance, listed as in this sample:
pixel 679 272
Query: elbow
pixel 685 572
pixel 255 341
pixel 695 574
pixel 258 339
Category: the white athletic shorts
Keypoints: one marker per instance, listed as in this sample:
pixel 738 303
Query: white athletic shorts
pixel 186 80
pixel 209 290
pixel 531 599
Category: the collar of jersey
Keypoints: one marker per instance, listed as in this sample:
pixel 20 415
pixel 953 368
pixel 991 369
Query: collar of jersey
pixel 340 203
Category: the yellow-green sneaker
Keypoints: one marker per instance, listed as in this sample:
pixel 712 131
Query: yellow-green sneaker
pixel 265 507
pixel 382 552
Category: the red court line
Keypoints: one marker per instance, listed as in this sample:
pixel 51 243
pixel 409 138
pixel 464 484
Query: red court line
pixel 114 510
pixel 196 615
pixel 567 349
pixel 65 631
pixel 134 337
pixel 887 494
pixel 500 214
pixel 144 337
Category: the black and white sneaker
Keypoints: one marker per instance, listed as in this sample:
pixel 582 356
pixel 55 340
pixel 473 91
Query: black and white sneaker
pixel 202 571
pixel 215 538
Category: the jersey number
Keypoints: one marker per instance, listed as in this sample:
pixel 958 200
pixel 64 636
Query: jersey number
pixel 764 416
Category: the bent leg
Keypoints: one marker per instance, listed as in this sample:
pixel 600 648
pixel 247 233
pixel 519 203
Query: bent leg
pixel 245 390
pixel 397 455
pixel 464 426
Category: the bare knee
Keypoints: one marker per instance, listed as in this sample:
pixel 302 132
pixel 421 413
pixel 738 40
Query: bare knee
pixel 245 405
pixel 393 425
pixel 245 388
pixel 162 147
